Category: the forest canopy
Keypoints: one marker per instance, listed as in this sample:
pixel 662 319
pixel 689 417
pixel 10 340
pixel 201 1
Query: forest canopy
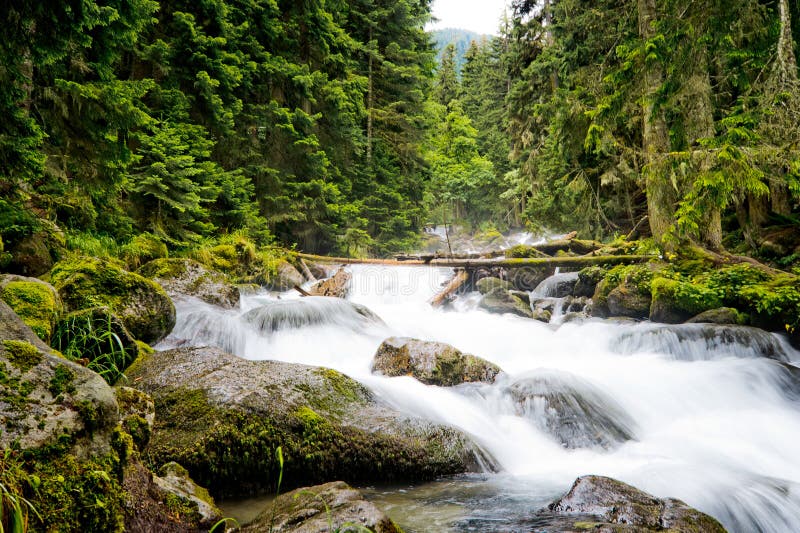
pixel 330 124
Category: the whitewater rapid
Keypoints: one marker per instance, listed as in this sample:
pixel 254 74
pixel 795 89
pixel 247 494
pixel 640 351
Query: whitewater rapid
pixel 715 423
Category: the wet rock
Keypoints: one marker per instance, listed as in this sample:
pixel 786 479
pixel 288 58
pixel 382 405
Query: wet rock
pixel 330 507
pixel 487 285
pixel 162 505
pixel 36 302
pixel 627 301
pixel 286 277
pixel 222 417
pixel 174 479
pixel 700 342
pixel 573 316
pixel 542 315
pixel 576 305
pixel 557 285
pixel 186 277
pixel 722 315
pixel 310 311
pixel 619 507
pixel 501 301
pixel 141 304
pixel 336 285
pixel 137 413
pixel 572 410
pixel 522 295
pixel 45 397
pixel 432 363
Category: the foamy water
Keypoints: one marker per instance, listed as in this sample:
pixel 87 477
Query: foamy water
pixel 714 422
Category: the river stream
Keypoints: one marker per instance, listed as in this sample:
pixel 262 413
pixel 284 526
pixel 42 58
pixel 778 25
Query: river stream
pixel 710 415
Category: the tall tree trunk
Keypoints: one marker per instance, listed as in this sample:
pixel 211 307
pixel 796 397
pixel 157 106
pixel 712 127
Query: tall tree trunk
pixel 783 79
pixel 370 96
pixel 655 142
pixel 699 113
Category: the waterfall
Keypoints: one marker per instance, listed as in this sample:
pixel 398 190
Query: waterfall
pixel 707 414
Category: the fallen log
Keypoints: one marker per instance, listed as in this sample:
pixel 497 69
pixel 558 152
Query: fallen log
pixel 307 271
pixel 536 262
pixel 458 280
pixel 301 290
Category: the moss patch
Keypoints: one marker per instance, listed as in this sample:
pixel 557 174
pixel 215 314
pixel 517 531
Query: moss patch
pixel 22 354
pixel 34 303
pixel 62 380
pixel 141 249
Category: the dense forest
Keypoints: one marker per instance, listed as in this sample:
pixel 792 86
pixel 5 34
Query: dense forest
pixel 329 125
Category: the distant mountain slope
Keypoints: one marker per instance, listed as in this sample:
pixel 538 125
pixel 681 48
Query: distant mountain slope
pixel 460 38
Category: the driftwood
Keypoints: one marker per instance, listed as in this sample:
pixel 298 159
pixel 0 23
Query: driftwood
pixel 455 283
pixel 535 262
pixel 335 285
pixel 307 271
pixel 301 290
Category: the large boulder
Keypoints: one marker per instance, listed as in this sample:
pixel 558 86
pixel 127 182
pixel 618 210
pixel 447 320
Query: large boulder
pixel 500 301
pixel 336 285
pixel 571 410
pixel 64 449
pixel 677 301
pixel 432 363
pixel 223 417
pixel 36 302
pixel 286 277
pixel 618 507
pixel 186 277
pixel 626 300
pixel 721 315
pixel 35 254
pixel 333 506
pixel 142 305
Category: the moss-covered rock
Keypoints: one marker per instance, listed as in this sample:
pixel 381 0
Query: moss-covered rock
pixel 626 300
pixel 632 296
pixel 501 301
pixel 222 417
pixel 619 507
pixel 432 363
pixel 142 249
pixel 137 414
pixel 333 506
pixel 487 285
pixel 588 278
pixel 142 305
pixel 35 254
pixel 186 277
pixel 721 315
pixel 675 301
pixel 36 302
pixel 184 493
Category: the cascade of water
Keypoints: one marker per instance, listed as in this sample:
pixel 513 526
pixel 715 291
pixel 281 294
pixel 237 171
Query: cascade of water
pixel 700 413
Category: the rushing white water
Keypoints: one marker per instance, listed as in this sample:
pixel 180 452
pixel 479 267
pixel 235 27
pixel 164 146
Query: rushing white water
pixel 714 413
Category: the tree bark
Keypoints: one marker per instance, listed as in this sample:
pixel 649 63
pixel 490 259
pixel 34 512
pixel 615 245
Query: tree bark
pixel 655 141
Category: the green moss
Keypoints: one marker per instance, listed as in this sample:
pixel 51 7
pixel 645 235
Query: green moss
pixel 141 249
pixel 141 304
pixel 62 381
pixel 164 268
pixel 139 430
pixel 144 349
pixel 22 354
pixel 35 304
pixel 345 387
pixel 14 391
pixel 88 413
pixel 686 298
pixel 70 494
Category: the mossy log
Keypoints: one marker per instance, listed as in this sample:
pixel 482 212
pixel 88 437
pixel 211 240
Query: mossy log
pixel 536 262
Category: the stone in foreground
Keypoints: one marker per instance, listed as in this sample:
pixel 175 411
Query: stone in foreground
pixel 330 507
pixel 614 506
pixel 223 417
pixel 432 363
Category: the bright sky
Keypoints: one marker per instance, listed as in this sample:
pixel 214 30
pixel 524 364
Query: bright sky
pixel 481 16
